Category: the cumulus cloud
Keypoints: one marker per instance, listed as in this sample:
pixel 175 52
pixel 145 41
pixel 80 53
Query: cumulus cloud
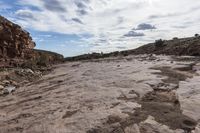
pixel 83 7
pixel 108 21
pixel 121 47
pixel 134 34
pixel 82 12
pixel 145 26
pixel 25 14
pixel 77 20
pixel 54 5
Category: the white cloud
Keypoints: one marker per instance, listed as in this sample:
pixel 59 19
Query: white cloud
pixel 109 20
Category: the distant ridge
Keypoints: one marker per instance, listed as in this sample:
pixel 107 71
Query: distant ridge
pixel 184 46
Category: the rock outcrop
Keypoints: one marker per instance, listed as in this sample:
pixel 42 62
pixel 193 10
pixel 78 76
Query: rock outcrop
pixel 15 43
pixel 17 47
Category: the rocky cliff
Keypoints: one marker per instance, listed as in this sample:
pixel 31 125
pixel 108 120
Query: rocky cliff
pixel 16 47
pixel 15 43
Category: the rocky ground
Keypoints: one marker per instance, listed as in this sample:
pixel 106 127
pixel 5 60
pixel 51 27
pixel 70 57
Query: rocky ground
pixel 132 94
pixel 14 78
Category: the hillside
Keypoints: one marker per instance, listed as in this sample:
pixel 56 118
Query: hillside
pixel 42 59
pixel 184 46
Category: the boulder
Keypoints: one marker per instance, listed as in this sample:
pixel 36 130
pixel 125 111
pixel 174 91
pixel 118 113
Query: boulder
pixel 9 89
pixel 6 82
pixel 1 87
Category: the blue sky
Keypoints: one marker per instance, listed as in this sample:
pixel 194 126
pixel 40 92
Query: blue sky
pixel 73 27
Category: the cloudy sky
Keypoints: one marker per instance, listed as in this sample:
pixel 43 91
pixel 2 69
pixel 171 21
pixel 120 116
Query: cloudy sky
pixel 73 27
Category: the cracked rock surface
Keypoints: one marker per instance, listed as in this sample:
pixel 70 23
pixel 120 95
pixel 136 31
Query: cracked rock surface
pixel 130 94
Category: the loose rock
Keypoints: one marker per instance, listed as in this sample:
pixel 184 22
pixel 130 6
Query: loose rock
pixel 1 87
pixel 9 89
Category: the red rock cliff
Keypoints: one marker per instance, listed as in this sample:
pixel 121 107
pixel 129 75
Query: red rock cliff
pixel 15 43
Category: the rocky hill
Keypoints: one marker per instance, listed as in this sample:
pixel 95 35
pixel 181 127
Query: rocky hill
pixel 17 47
pixel 184 46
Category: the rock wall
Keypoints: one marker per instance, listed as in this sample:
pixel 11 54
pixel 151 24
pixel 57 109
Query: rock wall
pixel 15 43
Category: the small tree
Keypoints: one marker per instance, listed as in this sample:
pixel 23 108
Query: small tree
pixel 159 43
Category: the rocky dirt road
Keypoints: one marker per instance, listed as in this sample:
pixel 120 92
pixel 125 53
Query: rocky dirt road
pixel 133 94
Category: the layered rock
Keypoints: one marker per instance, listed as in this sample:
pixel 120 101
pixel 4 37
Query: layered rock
pixel 15 43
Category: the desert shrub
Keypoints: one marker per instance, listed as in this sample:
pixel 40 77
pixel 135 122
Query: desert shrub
pixel 29 64
pixel 159 43
pixel 196 35
pixel 124 53
pixel 115 53
pixel 40 61
pixel 2 69
pixel 43 60
pixel 175 38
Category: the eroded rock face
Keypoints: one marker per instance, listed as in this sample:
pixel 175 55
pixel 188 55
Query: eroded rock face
pixel 15 43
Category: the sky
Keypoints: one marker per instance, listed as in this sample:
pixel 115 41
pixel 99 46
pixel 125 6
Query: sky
pixel 74 27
